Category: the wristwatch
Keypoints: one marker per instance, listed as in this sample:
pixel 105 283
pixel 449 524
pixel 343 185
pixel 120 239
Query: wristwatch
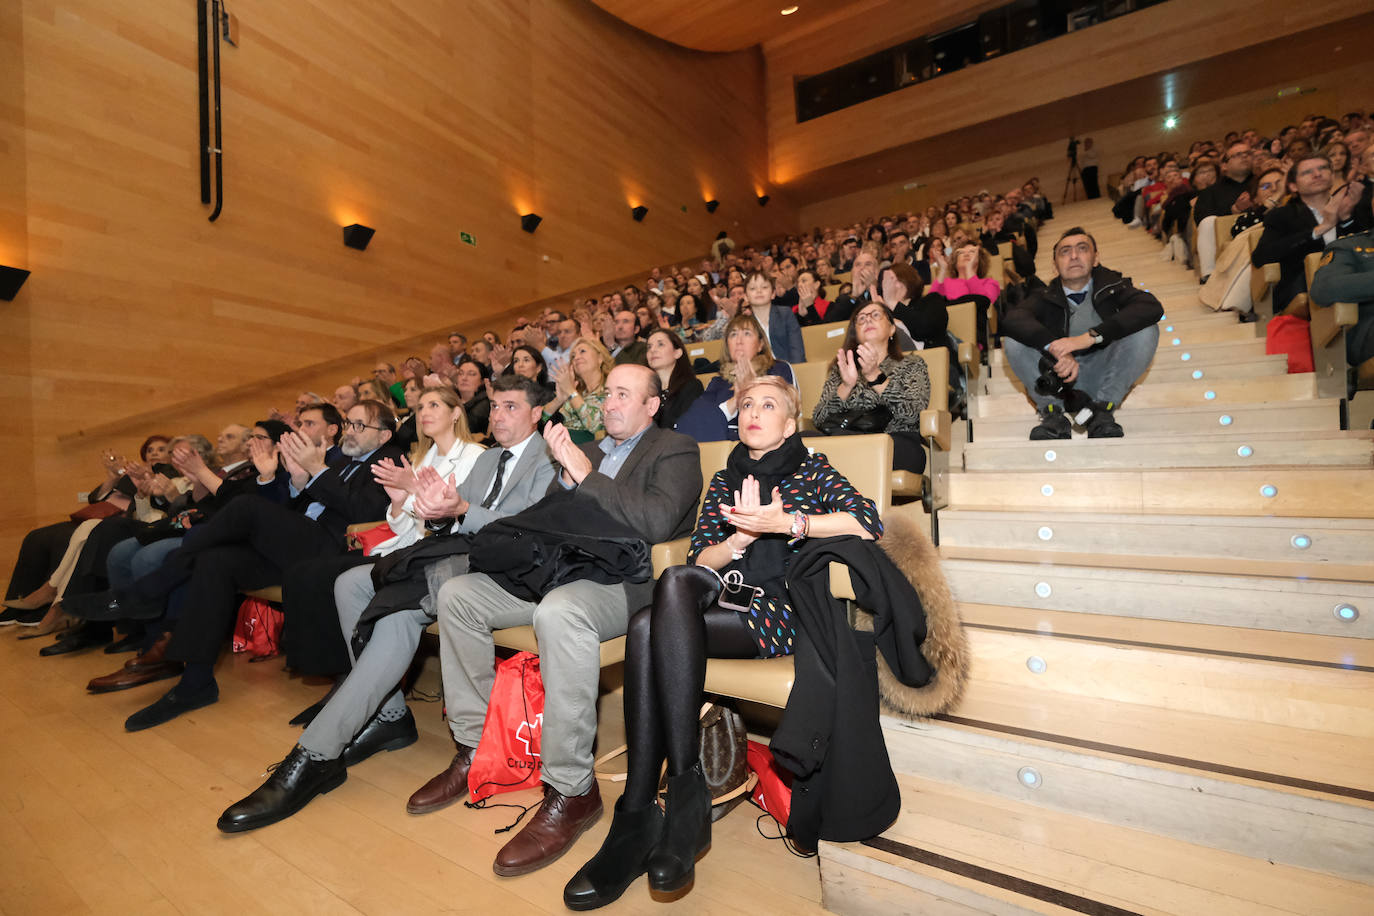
pixel 881 377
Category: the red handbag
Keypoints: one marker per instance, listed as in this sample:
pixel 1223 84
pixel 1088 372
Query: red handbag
pixel 1293 336
pixel 368 540
pixel 258 629
pixel 507 757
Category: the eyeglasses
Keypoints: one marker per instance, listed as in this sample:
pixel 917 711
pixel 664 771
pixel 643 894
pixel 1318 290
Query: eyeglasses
pixel 262 436
pixel 873 316
pixel 358 426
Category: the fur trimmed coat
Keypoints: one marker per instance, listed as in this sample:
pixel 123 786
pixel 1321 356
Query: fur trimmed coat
pixel 907 647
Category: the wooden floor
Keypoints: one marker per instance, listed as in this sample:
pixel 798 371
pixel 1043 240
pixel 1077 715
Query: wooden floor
pixel 96 820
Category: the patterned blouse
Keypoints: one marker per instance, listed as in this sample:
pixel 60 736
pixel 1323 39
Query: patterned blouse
pixel 815 489
pixel 586 418
pixel 907 394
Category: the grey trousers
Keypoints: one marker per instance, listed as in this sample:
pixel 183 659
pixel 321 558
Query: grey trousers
pixel 372 685
pixel 570 624
pixel 1105 374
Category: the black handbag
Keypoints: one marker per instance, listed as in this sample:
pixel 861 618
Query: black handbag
pixel 857 421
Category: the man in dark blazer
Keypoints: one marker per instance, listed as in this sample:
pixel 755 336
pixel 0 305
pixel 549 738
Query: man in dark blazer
pixel 1312 219
pixel 649 480
pixel 250 542
pixel 368 712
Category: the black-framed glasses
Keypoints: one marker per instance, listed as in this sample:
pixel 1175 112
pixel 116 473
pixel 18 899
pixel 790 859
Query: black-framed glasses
pixel 358 426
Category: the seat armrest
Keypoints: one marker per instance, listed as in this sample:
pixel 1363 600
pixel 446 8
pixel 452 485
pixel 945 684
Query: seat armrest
pixel 1328 321
pixel 669 553
pixel 908 484
pixel 935 425
pixel 841 586
pixel 966 352
pixel 1271 272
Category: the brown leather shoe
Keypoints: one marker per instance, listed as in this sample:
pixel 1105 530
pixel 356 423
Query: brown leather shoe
pixel 125 678
pixel 446 788
pixel 154 657
pixel 557 824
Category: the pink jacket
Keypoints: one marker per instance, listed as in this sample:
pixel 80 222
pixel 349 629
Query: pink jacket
pixel 955 287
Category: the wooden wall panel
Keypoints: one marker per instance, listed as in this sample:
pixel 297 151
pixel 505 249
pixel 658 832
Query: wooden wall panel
pixel 1146 42
pixel 1334 92
pixel 421 119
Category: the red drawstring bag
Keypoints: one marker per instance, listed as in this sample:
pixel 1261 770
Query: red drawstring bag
pixel 507 757
pixel 774 790
pixel 367 541
pixel 258 629
pixel 1293 336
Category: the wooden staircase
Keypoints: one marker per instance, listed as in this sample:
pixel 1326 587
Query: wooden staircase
pixel 1171 707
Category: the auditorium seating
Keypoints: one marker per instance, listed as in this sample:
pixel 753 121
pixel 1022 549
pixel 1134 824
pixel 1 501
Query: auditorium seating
pixel 1169 708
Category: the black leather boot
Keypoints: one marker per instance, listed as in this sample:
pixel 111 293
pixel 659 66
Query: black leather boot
pixel 686 831
pixel 292 785
pixel 619 861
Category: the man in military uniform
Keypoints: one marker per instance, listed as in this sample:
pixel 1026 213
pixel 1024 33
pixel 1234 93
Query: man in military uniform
pixel 1346 274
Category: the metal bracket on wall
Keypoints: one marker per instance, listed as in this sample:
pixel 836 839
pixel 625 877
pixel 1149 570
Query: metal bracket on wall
pixel 215 25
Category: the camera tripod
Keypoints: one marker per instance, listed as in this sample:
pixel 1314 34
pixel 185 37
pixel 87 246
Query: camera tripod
pixel 1071 180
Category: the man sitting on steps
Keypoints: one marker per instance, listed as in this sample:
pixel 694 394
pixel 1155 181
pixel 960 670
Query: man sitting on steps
pixel 1093 331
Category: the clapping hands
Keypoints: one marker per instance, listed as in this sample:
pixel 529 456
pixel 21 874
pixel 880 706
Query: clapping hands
pixel 752 519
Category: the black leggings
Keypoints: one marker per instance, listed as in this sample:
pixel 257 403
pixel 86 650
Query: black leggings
pixel 665 673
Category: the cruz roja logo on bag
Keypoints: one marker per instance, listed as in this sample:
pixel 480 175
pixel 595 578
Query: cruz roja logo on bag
pixel 528 734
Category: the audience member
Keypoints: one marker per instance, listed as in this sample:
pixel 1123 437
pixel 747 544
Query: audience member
pixel 772 494
pixel 1089 332
pixel 668 357
pixel 924 318
pixel 713 417
pixel 639 483
pixel 1312 218
pixel 873 388
pixel 580 389
pixel 1346 274
pixel 467 379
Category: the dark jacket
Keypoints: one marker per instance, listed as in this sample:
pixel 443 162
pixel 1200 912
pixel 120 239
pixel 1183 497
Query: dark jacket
pixel 830 737
pixel 1219 198
pixel 1043 316
pixel 565 537
pixel 675 405
pixel 1287 240
pixel 348 502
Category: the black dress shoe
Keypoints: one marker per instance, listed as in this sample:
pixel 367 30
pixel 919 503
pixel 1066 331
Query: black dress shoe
pixel 78 640
pixel 619 861
pixel 378 735
pixel 130 643
pixel 109 606
pixel 12 617
pixel 293 782
pixel 170 705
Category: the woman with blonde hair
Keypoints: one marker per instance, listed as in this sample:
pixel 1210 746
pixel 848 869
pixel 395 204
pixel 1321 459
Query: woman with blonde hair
pixel 713 417
pixel 580 389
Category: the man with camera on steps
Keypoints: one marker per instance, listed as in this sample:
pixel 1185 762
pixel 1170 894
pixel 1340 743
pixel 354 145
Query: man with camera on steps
pixel 1080 343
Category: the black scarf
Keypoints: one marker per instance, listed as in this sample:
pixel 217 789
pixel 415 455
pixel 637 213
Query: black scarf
pixel 765 563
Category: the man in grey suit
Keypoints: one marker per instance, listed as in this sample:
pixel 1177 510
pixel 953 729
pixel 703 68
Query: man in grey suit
pixel 647 478
pixel 368 712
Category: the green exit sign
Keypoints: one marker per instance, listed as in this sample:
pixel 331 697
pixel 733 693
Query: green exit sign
pixel 468 238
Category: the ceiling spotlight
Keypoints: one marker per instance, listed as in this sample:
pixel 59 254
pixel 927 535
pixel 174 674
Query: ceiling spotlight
pixel 11 278
pixel 711 206
pixel 1170 122
pixel 639 213
pixel 530 221
pixel 789 10
pixel 357 236
pixel 763 200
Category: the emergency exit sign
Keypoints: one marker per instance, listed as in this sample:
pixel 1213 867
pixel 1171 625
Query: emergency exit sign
pixel 468 238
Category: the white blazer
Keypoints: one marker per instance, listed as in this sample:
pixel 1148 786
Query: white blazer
pixel 457 462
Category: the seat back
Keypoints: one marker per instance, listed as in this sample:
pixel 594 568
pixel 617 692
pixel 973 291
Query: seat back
pixel 810 377
pixel 706 349
pixel 823 341
pixel 865 461
pixel 937 366
pixel 963 321
pixel 1224 225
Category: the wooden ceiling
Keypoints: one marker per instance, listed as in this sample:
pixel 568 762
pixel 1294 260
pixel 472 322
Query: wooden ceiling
pixel 732 25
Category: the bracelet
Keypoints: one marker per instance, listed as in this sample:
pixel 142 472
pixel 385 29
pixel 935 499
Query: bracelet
pixel 801 526
pixel 735 552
